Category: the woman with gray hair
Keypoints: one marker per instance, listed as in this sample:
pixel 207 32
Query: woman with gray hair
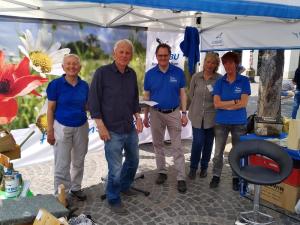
pixel 68 128
pixel 202 114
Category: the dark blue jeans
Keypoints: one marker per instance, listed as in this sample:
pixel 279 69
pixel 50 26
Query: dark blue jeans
pixel 121 176
pixel 296 104
pixel 203 140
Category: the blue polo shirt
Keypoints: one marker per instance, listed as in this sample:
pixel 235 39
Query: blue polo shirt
pixel 164 88
pixel 70 101
pixel 232 91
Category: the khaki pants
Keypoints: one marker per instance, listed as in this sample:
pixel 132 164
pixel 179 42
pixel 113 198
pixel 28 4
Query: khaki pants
pixel 69 153
pixel 172 121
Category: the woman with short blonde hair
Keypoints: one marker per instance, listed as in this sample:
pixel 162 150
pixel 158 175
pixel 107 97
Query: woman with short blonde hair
pixel 202 114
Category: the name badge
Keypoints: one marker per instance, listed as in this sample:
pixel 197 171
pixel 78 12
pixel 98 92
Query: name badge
pixel 210 87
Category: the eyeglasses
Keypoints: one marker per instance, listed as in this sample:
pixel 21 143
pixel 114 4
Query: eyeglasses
pixel 163 56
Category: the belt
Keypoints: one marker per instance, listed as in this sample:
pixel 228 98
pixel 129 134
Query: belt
pixel 166 111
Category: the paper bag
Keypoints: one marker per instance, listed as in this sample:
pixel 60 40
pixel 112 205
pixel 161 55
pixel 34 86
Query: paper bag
pixel 45 218
pixel 4 160
pixel 293 141
pixel 7 141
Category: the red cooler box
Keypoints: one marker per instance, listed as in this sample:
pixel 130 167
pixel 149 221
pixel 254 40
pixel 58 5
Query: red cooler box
pixel 293 179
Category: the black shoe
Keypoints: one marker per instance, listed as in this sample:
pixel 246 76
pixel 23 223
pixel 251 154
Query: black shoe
pixel 161 178
pixel 192 174
pixel 119 209
pixel 79 195
pixel 69 200
pixel 130 192
pixel 214 182
pixel 203 173
pixel 181 186
pixel 235 184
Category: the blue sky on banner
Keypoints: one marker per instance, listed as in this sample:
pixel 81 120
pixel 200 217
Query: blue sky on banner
pixel 65 32
pixel 289 9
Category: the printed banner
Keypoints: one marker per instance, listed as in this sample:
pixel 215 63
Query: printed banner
pixel 171 38
pixel 37 150
pixel 252 35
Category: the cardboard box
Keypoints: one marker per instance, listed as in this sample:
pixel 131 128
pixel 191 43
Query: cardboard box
pixel 4 160
pixel 45 218
pixel 293 179
pixel 293 141
pixel 282 195
pixel 267 126
pixel 13 154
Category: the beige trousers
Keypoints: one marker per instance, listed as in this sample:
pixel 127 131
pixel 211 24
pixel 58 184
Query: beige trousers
pixel 69 152
pixel 172 121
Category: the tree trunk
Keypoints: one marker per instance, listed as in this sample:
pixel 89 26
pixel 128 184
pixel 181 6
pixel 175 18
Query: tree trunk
pixel 269 101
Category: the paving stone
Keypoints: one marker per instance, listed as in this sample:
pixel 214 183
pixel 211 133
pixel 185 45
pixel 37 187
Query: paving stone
pixel 137 222
pixel 111 223
pixel 151 223
pixel 146 218
pixel 169 221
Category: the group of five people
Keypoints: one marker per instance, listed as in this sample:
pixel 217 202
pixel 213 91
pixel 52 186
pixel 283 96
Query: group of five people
pixel 217 108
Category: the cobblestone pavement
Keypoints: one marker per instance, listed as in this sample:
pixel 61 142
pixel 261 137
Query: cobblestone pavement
pixel 199 206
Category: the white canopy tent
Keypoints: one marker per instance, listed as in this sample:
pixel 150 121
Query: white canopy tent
pixel 223 24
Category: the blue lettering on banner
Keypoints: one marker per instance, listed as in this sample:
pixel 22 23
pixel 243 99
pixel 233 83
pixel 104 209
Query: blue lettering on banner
pixel 218 40
pixel 174 56
pixel 92 130
pixel 44 135
pixel 297 34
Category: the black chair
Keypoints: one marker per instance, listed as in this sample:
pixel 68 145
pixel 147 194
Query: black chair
pixel 259 175
pixel 137 176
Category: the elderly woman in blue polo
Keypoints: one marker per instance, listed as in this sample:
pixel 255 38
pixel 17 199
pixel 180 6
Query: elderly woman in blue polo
pixel 231 93
pixel 68 127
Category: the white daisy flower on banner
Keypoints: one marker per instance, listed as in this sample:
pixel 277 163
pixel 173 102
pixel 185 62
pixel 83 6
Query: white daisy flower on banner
pixel 45 56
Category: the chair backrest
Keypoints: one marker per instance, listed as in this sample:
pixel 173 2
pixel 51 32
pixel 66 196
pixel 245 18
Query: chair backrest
pixel 257 174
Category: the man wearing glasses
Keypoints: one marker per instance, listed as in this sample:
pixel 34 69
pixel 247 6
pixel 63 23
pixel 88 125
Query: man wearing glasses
pixel 165 84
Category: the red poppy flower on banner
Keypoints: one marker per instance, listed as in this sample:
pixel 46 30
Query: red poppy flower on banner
pixel 15 80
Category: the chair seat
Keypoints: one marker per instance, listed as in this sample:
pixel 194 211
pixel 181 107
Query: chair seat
pixel 260 175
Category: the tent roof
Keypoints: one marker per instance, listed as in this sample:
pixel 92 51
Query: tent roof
pixel 271 8
pixel 162 14
pixel 224 24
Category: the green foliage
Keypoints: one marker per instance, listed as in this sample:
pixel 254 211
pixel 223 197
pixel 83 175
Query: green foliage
pixel 138 64
pixel 88 67
pixel 29 107
pixel 89 48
